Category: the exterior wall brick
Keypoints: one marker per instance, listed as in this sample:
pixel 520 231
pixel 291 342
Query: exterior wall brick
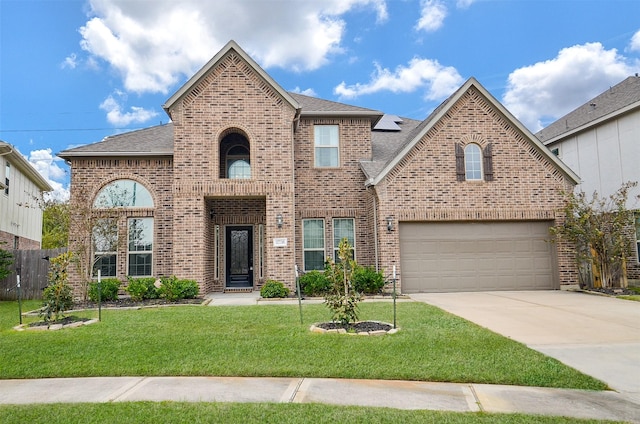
pixel 232 97
pixel 340 192
pixel 8 241
pixel 89 176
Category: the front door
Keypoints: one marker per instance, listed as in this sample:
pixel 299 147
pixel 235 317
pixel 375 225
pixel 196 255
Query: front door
pixel 239 257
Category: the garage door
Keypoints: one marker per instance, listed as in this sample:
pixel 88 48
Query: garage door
pixel 449 257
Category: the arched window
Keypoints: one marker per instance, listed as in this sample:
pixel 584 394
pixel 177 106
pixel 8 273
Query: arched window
pixel 235 156
pixel 123 194
pixel 107 250
pixel 472 162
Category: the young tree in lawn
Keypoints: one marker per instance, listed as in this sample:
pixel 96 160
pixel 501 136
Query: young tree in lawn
pixel 600 229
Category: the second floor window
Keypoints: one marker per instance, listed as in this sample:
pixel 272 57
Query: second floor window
pixel 472 162
pixel 326 146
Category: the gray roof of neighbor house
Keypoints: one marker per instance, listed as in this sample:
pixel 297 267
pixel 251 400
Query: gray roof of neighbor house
pixel 616 101
pixel 17 160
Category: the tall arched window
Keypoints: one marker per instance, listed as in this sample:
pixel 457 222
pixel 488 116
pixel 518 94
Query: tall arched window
pixel 123 194
pixel 235 157
pixel 472 162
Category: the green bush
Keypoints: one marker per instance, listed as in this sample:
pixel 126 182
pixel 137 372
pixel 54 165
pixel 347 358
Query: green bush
pixel 142 288
pixel 272 289
pixel 314 283
pixel 172 289
pixel 367 280
pixel 108 290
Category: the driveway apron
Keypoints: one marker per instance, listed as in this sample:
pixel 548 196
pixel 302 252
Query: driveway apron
pixel 597 335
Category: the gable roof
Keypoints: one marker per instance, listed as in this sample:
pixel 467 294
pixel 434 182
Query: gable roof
pixel 230 46
pixel 19 162
pixel 421 129
pixel 617 100
pixel 153 141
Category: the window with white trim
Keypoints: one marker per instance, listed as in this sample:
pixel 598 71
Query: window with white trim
pixel 472 162
pixel 105 247
pixel 326 146
pixel 313 244
pixel 140 247
pixel 343 228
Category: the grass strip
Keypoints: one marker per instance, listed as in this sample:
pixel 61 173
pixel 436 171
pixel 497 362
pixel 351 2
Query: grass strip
pixel 150 412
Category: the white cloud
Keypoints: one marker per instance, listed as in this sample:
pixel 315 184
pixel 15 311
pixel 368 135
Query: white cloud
pixel 308 92
pixel 117 117
pixel 152 45
pixel 432 15
pixel 70 62
pixel 438 81
pixel 45 163
pixel 634 45
pixel 543 92
pixel 464 4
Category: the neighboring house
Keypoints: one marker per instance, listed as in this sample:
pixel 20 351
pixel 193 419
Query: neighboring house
pixel 21 188
pixel 600 141
pixel 250 181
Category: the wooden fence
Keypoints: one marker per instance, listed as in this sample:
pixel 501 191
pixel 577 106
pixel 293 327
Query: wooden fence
pixel 33 269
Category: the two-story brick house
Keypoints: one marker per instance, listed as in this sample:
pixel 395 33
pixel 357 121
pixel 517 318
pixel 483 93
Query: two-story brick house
pixel 249 180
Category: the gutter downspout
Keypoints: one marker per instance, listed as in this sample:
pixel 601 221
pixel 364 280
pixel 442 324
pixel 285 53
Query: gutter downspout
pixel 375 230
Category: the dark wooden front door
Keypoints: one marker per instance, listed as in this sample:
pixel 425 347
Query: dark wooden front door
pixel 239 257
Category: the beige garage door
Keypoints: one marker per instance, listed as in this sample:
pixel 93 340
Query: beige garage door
pixel 449 257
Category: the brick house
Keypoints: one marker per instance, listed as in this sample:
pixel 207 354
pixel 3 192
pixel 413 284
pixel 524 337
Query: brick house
pixel 249 180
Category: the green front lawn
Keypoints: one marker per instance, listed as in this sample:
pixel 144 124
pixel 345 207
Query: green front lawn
pixel 270 341
pixel 163 412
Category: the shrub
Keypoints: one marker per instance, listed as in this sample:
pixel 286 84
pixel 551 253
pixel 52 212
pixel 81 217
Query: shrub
pixel 172 289
pixel 314 283
pixel 142 288
pixel 57 296
pixel 367 280
pixel 272 289
pixel 6 259
pixel 108 290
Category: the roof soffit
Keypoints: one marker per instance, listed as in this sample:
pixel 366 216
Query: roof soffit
pixel 199 76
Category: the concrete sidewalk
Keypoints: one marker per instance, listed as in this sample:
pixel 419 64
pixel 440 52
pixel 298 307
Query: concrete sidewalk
pixel 374 393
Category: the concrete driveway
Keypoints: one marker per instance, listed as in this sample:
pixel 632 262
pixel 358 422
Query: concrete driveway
pixel 597 335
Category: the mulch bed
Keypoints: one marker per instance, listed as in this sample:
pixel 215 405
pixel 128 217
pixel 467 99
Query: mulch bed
pixel 64 321
pixel 128 303
pixel 362 326
pixel 613 291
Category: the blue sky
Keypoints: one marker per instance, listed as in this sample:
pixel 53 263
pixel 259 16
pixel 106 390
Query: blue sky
pixel 73 72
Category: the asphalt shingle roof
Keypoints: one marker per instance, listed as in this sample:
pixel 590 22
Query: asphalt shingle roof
pixel 614 99
pixel 153 141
